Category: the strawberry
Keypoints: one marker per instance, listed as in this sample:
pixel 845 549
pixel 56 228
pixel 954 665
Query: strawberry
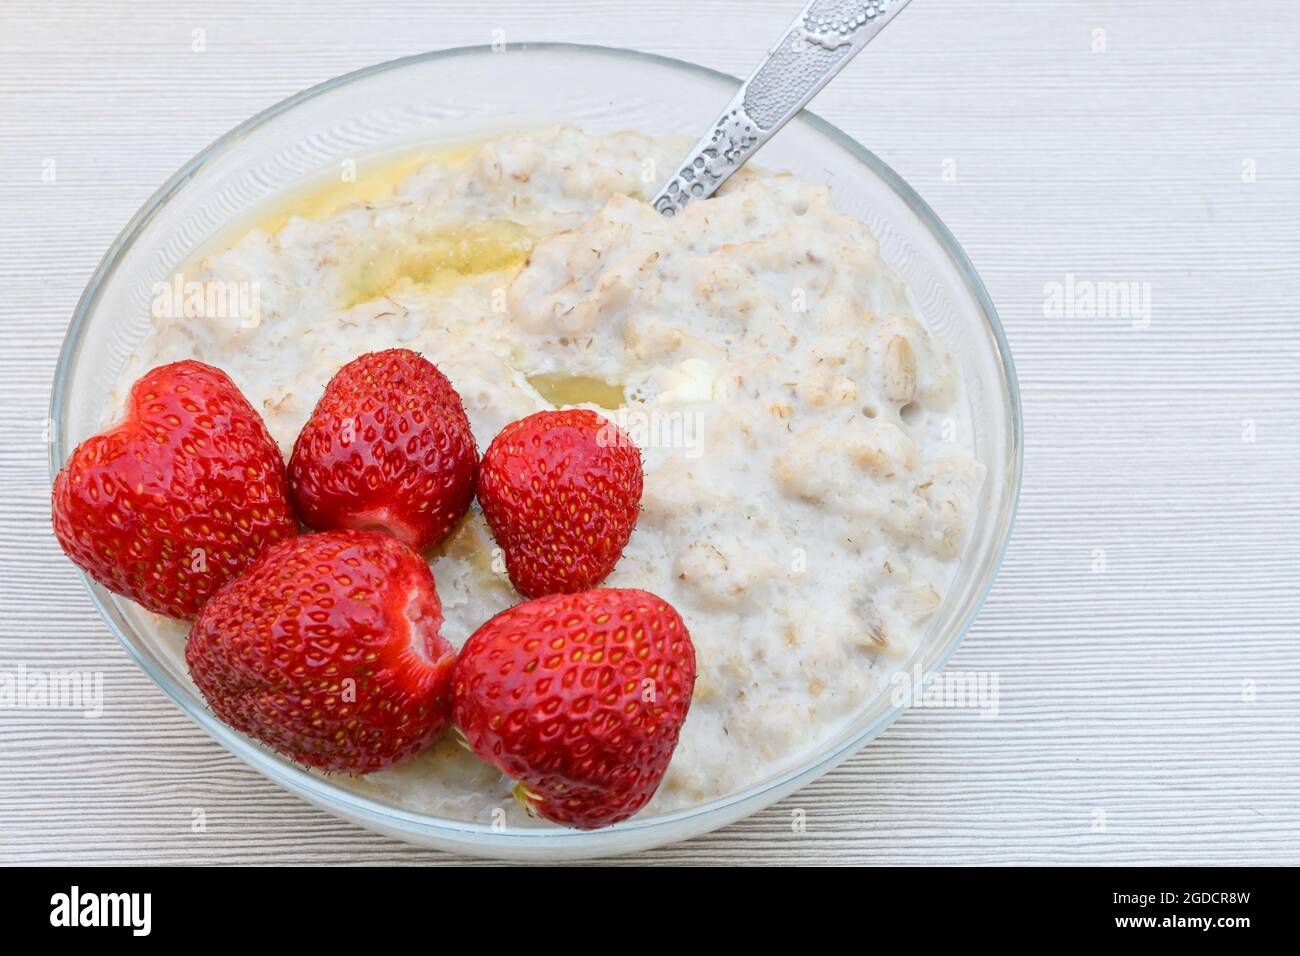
pixel 388 448
pixel 327 649
pixel 561 492
pixel 580 698
pixel 176 498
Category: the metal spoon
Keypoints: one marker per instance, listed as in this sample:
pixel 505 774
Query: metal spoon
pixel 824 37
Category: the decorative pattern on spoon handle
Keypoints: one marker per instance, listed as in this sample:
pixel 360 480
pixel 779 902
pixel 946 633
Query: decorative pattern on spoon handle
pixel 824 37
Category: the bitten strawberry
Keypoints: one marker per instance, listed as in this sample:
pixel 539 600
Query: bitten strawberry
pixel 561 492
pixel 178 497
pixel 388 448
pixel 328 649
pixel 580 698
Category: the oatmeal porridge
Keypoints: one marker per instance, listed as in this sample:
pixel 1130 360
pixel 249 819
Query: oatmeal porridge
pixel 808 472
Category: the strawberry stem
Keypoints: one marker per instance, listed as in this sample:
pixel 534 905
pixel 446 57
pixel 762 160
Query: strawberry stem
pixel 527 799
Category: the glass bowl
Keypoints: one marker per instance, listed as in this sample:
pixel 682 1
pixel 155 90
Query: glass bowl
pixel 447 98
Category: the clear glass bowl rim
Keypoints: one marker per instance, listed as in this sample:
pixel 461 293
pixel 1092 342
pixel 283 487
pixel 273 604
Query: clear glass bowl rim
pixel 389 819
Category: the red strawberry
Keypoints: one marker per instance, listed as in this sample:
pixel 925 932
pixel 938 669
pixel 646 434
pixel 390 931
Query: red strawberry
pixel 327 649
pixel 388 448
pixel 176 498
pixel 561 492
pixel 579 697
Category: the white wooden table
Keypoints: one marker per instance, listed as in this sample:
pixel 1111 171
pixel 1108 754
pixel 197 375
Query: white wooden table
pixel 1144 627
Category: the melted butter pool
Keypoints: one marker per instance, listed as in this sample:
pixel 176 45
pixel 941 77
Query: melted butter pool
pixel 560 389
pixel 436 258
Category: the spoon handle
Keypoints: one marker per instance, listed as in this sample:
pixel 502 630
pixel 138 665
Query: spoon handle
pixel 824 37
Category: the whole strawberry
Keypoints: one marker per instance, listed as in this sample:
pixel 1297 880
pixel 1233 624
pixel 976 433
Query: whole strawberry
pixel 176 498
pixel 388 448
pixel 580 698
pixel 328 649
pixel 561 492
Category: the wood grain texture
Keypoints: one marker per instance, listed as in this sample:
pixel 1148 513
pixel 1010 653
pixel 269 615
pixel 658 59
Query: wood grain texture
pixel 1124 691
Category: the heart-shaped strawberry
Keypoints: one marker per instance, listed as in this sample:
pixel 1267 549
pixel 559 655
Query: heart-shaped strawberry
pixel 178 497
